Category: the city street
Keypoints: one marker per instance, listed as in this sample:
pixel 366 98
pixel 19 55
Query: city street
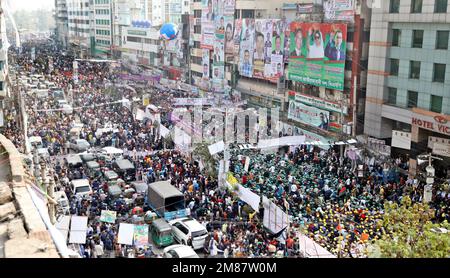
pixel 227 133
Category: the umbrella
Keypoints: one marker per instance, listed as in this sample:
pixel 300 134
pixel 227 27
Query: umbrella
pixel 137 210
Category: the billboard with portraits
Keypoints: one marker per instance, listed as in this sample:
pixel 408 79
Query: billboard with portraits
pixel 317 54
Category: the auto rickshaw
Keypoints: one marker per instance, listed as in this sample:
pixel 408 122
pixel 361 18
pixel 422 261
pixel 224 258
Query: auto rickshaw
pixel 161 233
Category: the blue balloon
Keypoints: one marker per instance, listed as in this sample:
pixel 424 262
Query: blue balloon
pixel 169 31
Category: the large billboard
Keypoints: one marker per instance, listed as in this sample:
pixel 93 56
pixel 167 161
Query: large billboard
pixel 317 54
pixel 247 47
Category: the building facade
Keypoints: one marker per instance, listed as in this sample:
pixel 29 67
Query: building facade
pixel 79 23
pixel 343 107
pixel 62 22
pixel 408 84
pixel 102 41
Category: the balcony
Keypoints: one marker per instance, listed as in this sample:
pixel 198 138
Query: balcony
pixel 396 113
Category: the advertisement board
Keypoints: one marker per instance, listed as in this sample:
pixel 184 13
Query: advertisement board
pixel 318 54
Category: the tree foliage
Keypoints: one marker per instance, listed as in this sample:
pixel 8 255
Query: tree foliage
pixel 411 234
pixel 201 150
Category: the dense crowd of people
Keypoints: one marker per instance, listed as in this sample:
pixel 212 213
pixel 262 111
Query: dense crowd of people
pixel 326 200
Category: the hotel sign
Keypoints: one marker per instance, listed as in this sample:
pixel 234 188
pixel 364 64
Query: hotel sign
pixel 439 123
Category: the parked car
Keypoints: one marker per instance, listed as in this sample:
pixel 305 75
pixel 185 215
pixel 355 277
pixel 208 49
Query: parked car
pixel 80 145
pixel 189 231
pixel 81 187
pixel 110 175
pixel 179 251
pixel 63 201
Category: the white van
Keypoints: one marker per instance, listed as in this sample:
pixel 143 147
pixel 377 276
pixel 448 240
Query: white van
pixel 189 231
pixel 63 201
pixel 81 187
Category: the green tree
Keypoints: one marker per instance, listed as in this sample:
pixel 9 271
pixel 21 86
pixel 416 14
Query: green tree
pixel 201 150
pixel 411 234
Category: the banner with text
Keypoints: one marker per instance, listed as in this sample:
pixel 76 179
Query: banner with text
pixel 317 54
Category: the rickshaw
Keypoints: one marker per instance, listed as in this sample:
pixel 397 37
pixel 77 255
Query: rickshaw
pixel 161 233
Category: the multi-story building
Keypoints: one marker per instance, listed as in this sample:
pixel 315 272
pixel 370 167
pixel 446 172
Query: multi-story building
pixel 141 46
pixel 124 13
pixel 102 41
pixel 345 107
pixel 408 85
pixel 62 22
pixel 79 15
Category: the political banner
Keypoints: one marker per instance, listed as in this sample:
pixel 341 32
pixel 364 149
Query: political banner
pixel 276 58
pixel 237 39
pixel 308 115
pixel 262 43
pixel 339 10
pixel 208 28
pixel 205 63
pixel 247 47
pixel 219 50
pixel 140 235
pixel 229 42
pixel 108 216
pixel 318 54
pixel 218 78
pixel 287 40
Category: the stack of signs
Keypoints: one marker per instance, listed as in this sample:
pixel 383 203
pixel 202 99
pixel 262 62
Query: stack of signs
pixel 108 216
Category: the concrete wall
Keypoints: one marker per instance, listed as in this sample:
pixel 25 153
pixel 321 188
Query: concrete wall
pixel 24 234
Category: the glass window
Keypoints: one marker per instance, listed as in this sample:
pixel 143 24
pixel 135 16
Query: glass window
pixel 412 99
pixel 417 38
pixel 414 69
pixel 440 6
pixel 394 65
pixel 439 73
pixel 392 96
pixel 442 39
pixel 416 6
pixel 394 6
pixel 396 37
pixel 436 104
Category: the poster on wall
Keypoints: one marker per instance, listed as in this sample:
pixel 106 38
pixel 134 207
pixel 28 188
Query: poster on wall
pixel 317 54
pixel 247 47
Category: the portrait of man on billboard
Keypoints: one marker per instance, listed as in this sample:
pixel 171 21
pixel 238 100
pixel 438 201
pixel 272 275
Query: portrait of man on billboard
pixel 323 122
pixel 298 51
pixel 335 50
